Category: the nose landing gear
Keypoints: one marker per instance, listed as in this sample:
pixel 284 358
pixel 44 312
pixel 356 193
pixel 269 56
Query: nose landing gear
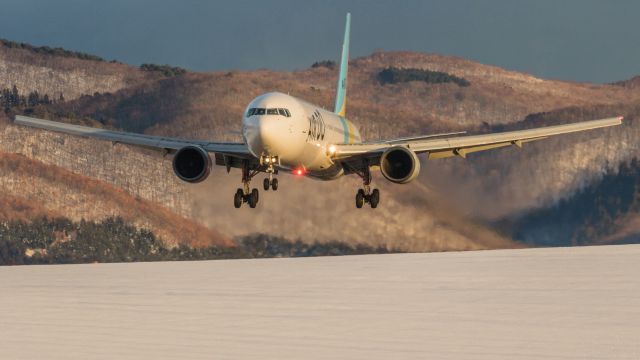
pixel 270 182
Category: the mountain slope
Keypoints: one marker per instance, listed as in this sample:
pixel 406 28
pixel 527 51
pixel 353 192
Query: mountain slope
pixel 452 205
pixel 46 190
pixel 603 212
pixel 53 74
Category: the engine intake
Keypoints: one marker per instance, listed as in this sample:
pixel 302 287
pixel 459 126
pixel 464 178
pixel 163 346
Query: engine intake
pixel 399 165
pixel 192 164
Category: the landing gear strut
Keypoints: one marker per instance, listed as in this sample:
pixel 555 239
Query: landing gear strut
pixel 270 182
pixel 366 195
pixel 246 195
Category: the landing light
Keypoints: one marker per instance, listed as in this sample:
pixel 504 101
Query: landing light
pixel 332 149
pixel 298 172
pixel 269 159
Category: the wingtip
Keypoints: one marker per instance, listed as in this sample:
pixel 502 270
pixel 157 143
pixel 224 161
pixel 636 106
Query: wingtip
pixel 620 118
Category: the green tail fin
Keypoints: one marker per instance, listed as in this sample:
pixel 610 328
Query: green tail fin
pixel 341 91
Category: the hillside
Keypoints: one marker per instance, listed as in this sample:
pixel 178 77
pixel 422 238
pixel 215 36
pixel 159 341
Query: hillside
pixel 602 212
pixel 53 74
pixel 33 190
pixel 211 103
pixel 446 209
pixel 44 240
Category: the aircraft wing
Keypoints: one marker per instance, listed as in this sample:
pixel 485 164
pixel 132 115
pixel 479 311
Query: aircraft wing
pixel 170 145
pixel 463 145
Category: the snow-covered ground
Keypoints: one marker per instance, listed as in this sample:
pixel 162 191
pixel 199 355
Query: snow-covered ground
pixel 570 303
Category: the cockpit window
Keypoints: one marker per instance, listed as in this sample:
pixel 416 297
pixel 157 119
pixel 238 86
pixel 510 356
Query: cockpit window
pixel 263 111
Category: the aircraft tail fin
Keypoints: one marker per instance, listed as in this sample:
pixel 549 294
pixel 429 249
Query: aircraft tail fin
pixel 341 90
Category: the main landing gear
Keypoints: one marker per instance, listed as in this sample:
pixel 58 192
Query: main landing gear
pixel 241 197
pixel 372 197
pixel 366 195
pixel 246 195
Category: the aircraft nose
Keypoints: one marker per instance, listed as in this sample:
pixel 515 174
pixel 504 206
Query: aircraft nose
pixel 262 135
pixel 268 133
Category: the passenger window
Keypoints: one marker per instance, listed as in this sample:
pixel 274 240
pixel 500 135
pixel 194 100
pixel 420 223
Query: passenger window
pixel 288 113
pixel 272 111
pixel 250 112
pixel 259 111
pixel 281 112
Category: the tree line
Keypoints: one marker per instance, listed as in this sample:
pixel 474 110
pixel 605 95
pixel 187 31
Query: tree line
pixel 10 99
pixel 394 75
pixel 46 50
pixel 61 241
pixel 165 70
pixel 329 64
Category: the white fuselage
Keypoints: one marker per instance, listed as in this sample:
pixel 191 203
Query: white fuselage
pixel 298 133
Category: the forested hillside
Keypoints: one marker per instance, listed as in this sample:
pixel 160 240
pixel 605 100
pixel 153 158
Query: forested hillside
pixel 454 205
pixel 60 241
pixel 599 213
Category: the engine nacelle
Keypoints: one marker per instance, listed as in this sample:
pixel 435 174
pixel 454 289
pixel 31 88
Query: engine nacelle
pixel 399 165
pixel 192 164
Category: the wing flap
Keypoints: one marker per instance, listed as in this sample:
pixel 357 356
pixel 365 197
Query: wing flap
pixel 469 150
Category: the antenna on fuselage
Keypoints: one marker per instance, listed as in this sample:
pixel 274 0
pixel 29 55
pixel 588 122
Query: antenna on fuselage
pixel 341 90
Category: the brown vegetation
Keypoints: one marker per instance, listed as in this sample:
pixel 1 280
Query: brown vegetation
pixel 20 209
pixel 53 75
pixel 57 191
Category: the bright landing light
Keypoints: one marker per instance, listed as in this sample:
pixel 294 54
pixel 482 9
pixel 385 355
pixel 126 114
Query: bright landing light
pixel 298 172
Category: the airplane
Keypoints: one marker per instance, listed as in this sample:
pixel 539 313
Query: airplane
pixel 284 133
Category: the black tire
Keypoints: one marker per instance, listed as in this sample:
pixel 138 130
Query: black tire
pixel 274 184
pixel 237 199
pixel 375 198
pixel 359 199
pixel 253 198
pixel 360 191
pixel 266 184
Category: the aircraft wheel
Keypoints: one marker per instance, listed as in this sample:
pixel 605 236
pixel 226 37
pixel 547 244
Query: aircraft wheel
pixel 375 198
pixel 253 198
pixel 237 199
pixel 266 184
pixel 360 199
pixel 274 184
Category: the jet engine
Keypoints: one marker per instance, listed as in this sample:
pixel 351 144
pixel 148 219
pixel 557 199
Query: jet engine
pixel 399 165
pixel 192 164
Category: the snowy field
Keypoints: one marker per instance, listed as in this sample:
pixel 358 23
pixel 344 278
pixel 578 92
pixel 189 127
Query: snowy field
pixel 569 303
